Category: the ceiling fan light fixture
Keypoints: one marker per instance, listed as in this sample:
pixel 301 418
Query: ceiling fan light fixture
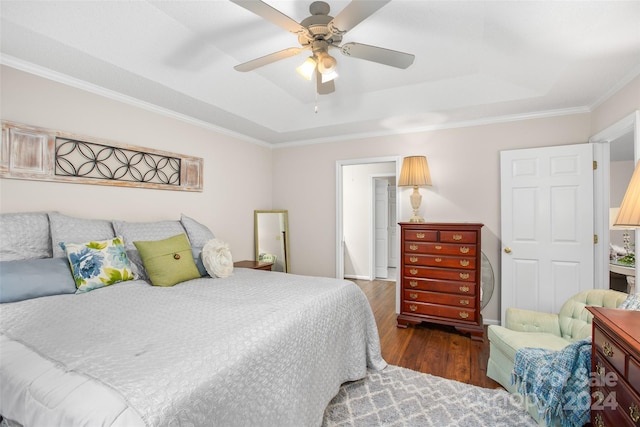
pixel 307 68
pixel 327 77
pixel 326 63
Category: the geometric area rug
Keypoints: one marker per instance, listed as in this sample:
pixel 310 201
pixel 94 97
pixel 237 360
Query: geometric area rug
pixel 397 396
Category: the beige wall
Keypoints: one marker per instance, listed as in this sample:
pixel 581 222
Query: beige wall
pixel 465 172
pixel 231 167
pixel 240 177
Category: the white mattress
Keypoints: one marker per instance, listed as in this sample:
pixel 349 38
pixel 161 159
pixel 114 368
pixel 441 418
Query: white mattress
pixel 257 348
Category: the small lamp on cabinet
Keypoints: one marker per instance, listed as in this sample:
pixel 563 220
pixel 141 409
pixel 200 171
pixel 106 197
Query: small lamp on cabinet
pixel 415 173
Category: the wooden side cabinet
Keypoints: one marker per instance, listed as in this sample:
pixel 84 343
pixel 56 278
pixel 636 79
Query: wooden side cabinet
pixel 440 276
pixel 615 366
pixel 256 265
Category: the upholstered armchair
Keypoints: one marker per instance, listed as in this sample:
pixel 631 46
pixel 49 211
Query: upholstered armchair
pixel 526 328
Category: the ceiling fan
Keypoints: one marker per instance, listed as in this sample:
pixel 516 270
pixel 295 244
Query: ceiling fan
pixel 321 32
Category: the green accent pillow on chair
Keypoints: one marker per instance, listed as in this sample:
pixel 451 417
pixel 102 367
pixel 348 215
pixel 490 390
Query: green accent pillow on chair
pixel 168 261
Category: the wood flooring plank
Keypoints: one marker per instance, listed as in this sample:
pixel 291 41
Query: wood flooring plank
pixel 432 349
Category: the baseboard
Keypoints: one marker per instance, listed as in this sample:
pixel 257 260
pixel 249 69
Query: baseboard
pixel 356 277
pixel 490 322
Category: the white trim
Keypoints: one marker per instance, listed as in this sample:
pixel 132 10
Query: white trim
pixel 635 72
pixel 55 76
pixel 372 228
pixel 453 125
pixel 601 142
pixel 490 321
pixel 339 239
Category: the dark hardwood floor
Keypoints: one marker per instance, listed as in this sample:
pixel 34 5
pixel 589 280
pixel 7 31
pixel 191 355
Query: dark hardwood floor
pixel 431 349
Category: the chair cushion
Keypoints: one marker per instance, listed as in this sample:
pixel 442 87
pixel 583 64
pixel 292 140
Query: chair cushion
pixel 575 320
pixel 509 341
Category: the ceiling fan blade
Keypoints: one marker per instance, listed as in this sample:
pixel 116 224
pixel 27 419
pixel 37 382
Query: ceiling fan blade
pixel 378 54
pixel 326 87
pixel 268 59
pixel 271 14
pixel 353 14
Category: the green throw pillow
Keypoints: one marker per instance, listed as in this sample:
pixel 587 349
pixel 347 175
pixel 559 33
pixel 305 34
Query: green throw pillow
pixel 168 261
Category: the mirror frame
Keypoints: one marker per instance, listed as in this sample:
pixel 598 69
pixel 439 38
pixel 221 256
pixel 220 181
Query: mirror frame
pixel 287 252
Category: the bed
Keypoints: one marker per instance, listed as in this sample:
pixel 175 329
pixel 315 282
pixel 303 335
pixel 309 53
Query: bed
pixel 253 348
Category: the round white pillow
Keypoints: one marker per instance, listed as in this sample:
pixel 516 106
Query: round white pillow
pixel 217 259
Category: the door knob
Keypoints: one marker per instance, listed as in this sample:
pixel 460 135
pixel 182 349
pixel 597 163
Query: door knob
pixel 507 250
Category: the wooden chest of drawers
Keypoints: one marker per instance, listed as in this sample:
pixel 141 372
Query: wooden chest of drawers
pixel 615 363
pixel 440 276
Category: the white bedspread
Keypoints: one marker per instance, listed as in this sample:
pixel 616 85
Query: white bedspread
pixel 257 348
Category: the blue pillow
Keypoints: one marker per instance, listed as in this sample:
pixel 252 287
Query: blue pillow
pixel 33 278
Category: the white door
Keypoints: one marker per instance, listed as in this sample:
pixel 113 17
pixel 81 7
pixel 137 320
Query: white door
pixel 381 223
pixel 393 227
pixel 547 226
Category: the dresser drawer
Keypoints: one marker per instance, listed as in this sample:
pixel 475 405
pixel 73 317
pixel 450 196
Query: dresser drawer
pixel 457 313
pixel 614 394
pixel 605 410
pixel 440 261
pixel 421 235
pixel 447 286
pixel 468 301
pixel 440 273
pixel 634 374
pixel 439 248
pixel 609 350
pixel 458 236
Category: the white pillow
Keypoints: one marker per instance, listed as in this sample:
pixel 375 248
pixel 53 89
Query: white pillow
pixel 217 259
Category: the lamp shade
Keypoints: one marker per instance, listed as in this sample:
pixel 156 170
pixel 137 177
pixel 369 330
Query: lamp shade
pixel 629 215
pixel 415 172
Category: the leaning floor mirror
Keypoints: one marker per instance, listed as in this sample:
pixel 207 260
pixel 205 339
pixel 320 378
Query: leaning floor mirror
pixel 271 230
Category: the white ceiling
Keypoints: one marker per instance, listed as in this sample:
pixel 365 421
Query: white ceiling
pixel 475 61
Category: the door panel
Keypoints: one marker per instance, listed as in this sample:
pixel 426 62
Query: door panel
pixel 381 220
pixel 547 225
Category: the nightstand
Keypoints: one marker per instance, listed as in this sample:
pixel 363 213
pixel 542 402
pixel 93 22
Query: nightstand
pixel 256 265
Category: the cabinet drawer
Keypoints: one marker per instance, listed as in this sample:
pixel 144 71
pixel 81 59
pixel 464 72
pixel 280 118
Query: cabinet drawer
pixel 440 273
pixel 447 286
pixel 609 350
pixel 457 236
pixel 616 393
pixel 421 235
pixel 440 261
pixel 605 410
pixel 439 248
pixel 456 313
pixel 468 301
pixel 634 374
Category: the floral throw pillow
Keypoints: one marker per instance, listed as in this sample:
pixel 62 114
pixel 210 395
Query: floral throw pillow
pixel 97 264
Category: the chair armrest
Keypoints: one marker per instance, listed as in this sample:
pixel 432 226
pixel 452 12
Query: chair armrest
pixel 521 320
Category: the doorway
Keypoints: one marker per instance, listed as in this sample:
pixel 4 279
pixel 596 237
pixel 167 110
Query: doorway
pixel 355 242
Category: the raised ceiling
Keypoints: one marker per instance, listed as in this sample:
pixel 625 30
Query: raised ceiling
pixel 475 62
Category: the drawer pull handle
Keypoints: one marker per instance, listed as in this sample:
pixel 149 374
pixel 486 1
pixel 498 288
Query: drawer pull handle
pixel 413 271
pixel 438 260
pixel 413 259
pixel 413 247
pixel 413 307
pixel 599 369
pixel 420 235
pixel 464 262
pixel 464 289
pixel 464 314
pixel 598 420
pixel 634 412
pixel 438 247
pixel 457 237
pixel 607 350
pixel 464 302
pixel 413 283
pixel 413 296
pixel 464 275
pixel 464 250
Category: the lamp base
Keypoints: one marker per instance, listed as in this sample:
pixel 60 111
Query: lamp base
pixel 416 219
